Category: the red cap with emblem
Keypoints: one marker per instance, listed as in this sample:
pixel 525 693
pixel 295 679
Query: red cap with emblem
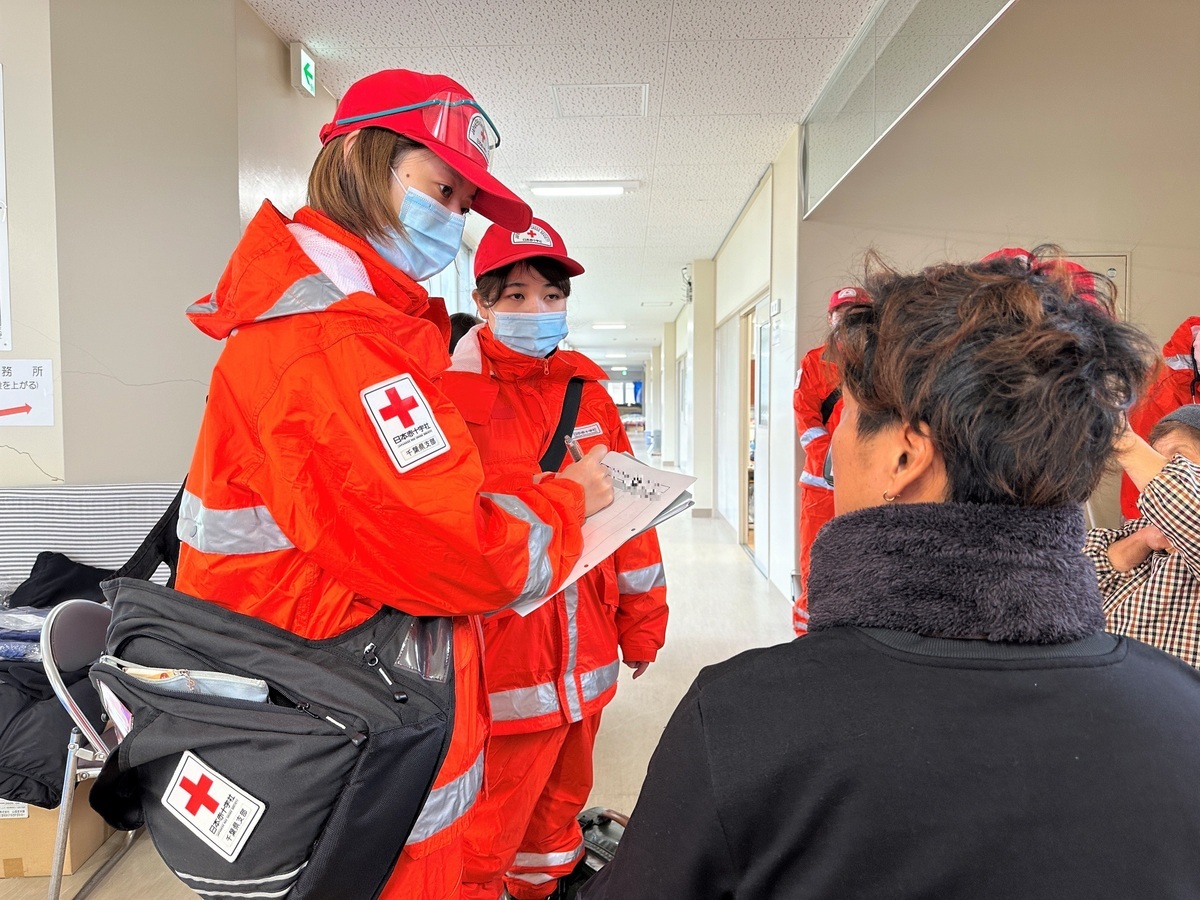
pixel 437 112
pixel 847 295
pixel 1010 253
pixel 500 247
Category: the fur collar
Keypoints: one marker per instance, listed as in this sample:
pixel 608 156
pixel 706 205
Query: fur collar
pixel 957 570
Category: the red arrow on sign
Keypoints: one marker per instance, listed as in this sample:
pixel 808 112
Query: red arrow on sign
pixel 16 409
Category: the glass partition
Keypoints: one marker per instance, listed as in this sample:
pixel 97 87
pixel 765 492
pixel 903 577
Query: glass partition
pixel 903 49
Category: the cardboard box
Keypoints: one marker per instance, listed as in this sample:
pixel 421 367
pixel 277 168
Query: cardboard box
pixel 27 836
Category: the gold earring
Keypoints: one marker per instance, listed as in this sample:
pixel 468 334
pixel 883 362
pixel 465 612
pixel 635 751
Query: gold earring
pixel 887 499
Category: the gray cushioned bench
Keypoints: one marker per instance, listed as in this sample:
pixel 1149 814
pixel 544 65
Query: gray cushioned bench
pixel 97 524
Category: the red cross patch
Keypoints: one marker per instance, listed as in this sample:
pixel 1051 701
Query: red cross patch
pixel 211 806
pixel 535 234
pixel 404 422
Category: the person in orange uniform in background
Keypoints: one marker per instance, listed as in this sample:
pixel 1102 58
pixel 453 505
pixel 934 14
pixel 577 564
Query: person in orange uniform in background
pixel 1175 384
pixel 549 674
pixel 331 476
pixel 816 402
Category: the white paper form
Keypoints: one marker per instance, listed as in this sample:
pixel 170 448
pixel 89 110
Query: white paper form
pixel 642 496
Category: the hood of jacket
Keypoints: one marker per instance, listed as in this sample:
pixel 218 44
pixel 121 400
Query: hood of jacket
pixel 269 276
pixel 479 352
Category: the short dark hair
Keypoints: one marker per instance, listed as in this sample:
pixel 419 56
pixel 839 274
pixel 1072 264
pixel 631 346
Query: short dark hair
pixel 491 284
pixel 460 324
pixel 1020 378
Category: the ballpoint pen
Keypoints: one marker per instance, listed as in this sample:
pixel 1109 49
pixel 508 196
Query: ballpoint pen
pixel 573 448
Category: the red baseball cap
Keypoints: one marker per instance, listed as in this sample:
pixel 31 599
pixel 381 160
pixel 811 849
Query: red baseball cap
pixel 499 247
pixel 847 295
pixel 1010 253
pixel 437 112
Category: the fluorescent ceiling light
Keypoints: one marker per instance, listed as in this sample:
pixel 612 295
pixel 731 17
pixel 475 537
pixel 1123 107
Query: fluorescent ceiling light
pixel 620 368
pixel 615 355
pixel 581 188
pixel 656 303
pixel 607 326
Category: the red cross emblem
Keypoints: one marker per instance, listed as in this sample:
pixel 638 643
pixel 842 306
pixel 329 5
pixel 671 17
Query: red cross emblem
pixel 398 409
pixel 199 795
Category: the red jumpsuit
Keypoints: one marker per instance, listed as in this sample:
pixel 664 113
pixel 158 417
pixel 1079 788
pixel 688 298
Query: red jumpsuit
pixel 331 477
pixel 1174 385
pixel 550 673
pixel 816 417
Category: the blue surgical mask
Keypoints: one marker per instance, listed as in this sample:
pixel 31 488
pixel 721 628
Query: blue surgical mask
pixel 530 334
pixel 430 240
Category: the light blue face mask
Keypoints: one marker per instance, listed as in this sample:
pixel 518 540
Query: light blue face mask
pixel 431 238
pixel 530 334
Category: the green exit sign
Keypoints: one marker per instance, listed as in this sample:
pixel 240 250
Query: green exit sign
pixel 304 69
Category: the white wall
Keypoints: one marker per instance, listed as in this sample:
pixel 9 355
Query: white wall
pixel 30 455
pixel 744 259
pixel 785 456
pixel 127 194
pixel 730 388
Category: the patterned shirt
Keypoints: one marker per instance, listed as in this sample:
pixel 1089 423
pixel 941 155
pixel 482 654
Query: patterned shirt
pixel 1158 601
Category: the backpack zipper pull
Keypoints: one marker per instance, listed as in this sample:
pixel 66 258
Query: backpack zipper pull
pixel 371 659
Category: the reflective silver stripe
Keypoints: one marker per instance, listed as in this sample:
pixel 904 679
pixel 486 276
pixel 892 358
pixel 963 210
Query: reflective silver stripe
pixel 597 681
pixel 1182 362
pixel 312 293
pixel 537 581
pixel 536 860
pixel 812 434
pixel 531 877
pixel 574 703
pixel 446 805
pixel 291 874
pixel 542 699
pixel 203 307
pixel 639 581
pixel 231 531
pixel 810 480
pixel 524 703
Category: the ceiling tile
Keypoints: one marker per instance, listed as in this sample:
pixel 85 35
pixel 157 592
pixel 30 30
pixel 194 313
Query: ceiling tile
pixel 703 20
pixel 721 140
pixel 520 84
pixel 351 24
pixel 577 142
pixel 338 69
pixel 528 22
pixel 704 182
pixel 748 77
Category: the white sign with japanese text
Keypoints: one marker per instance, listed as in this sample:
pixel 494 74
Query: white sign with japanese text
pixel 26 392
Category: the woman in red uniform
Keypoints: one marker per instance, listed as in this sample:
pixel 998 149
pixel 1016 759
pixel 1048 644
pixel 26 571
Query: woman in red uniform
pixel 548 674
pixel 331 477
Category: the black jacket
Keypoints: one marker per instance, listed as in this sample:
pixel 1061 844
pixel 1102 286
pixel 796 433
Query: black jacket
pixel 1020 753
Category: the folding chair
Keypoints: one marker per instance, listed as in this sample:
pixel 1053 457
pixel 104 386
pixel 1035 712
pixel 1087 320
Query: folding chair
pixel 73 637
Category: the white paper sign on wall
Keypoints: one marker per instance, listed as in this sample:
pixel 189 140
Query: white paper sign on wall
pixel 26 392
pixel 5 307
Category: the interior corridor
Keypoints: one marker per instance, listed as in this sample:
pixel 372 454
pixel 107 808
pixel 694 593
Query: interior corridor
pixel 720 605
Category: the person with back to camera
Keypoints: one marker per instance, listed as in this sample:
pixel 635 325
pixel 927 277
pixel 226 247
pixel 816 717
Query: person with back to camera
pixel 550 673
pixel 957 723
pixel 331 476
pixel 1149 569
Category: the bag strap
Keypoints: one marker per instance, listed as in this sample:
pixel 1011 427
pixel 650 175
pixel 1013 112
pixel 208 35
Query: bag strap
pixel 565 428
pixel 828 404
pixel 161 545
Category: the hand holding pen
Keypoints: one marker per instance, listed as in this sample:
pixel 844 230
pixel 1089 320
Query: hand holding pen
pixel 586 470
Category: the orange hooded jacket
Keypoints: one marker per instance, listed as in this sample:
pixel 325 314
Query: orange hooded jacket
pixel 1174 385
pixel 558 664
pixel 331 477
